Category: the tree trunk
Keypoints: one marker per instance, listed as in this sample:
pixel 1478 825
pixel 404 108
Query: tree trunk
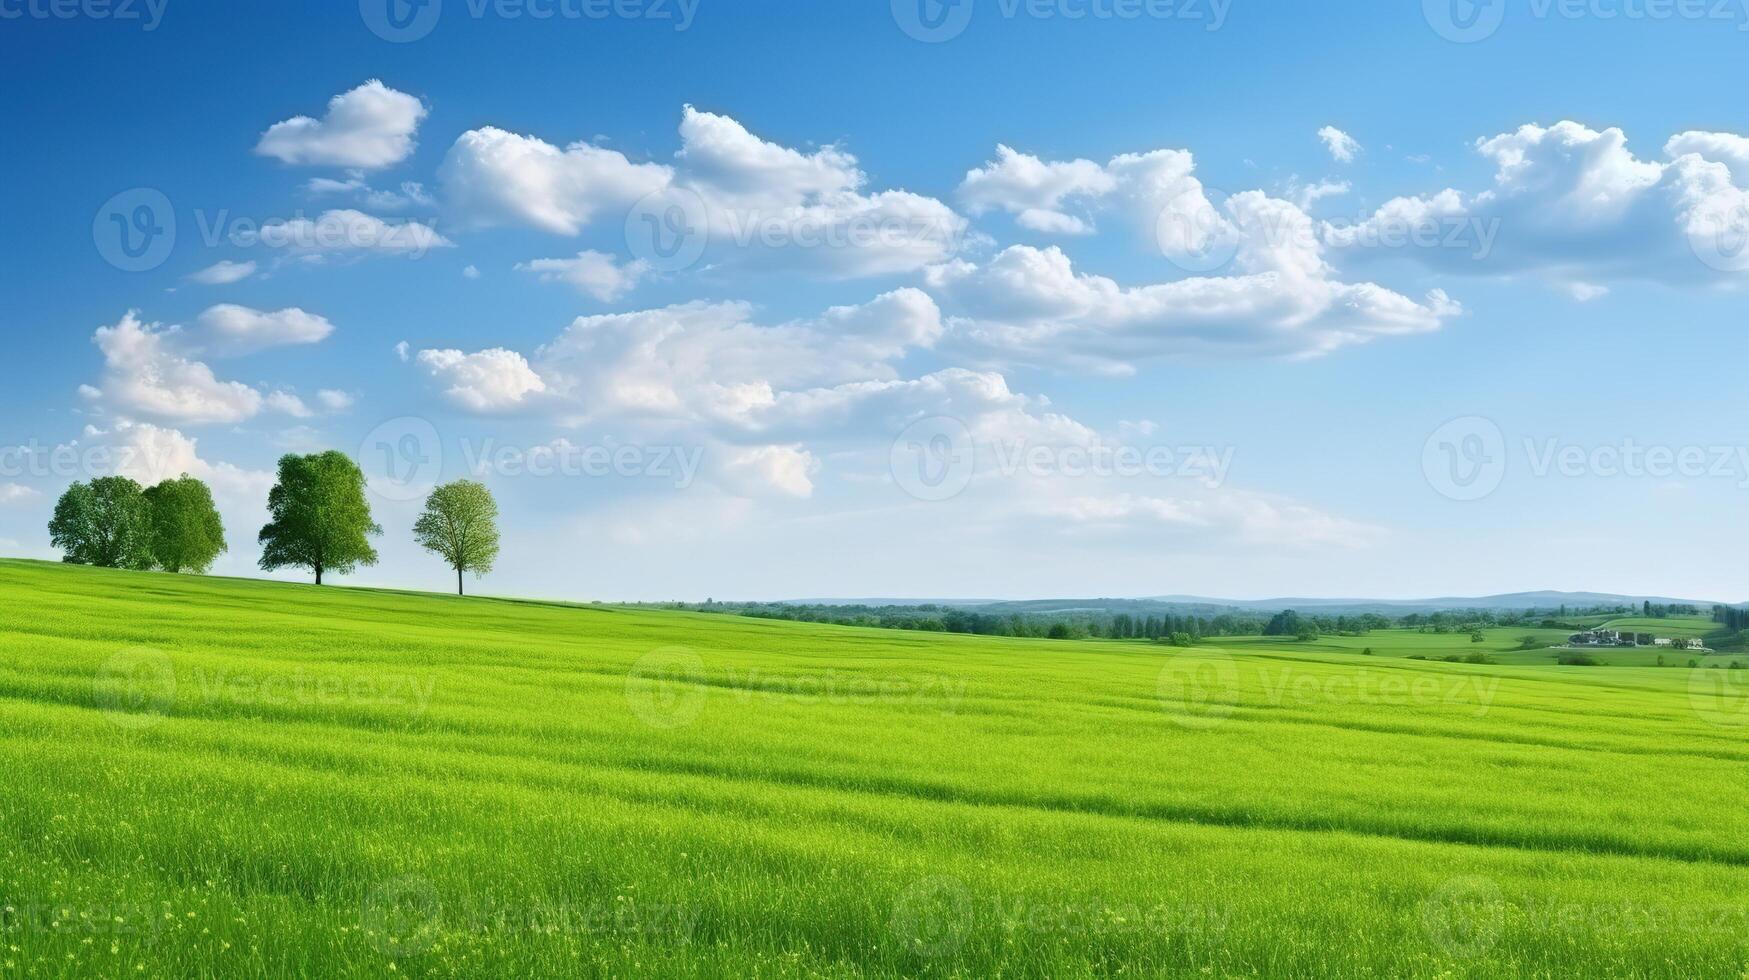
pixel 458 581
pixel 318 574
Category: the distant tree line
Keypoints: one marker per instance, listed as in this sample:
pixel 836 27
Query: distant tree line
pixel 1170 628
pixel 319 520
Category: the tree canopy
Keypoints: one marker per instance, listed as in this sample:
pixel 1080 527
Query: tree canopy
pixel 460 523
pixel 106 523
pixel 187 534
pixel 319 518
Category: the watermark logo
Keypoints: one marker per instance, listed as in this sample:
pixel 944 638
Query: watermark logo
pixel 401 917
pixel 1192 231
pixel 1719 236
pixel 937 21
pixel 1465 459
pixel 135 230
pixel 400 21
pixel 665 688
pixel 1464 21
pixel 932 21
pixel 668 230
pixel 934 458
pixel 1719 696
pixel 402 458
pixel 932 917
pixel 1199 691
pixel 1464 916
pixel 136 688
pixel 147 13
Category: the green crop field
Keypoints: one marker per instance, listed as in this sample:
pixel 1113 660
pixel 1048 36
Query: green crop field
pixel 229 778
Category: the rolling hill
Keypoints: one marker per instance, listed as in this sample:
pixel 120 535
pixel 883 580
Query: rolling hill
pixel 213 777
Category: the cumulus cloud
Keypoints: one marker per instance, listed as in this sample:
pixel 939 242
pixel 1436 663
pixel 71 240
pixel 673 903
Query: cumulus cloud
pixel 1343 147
pixel 333 400
pixel 145 375
pixel 494 380
pixel 343 231
pixel 1577 206
pixel 495 177
pixel 370 127
pixel 592 273
pixel 223 273
pixel 1035 191
pixel 12 493
pixel 783 470
pixel 747 199
pixel 1031 305
pixel 240 330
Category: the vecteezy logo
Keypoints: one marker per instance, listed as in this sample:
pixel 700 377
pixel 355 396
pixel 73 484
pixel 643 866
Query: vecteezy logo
pixel 934 458
pixel 1465 916
pixel 933 916
pixel 665 689
pixel 1193 232
pixel 136 688
pixel 1199 690
pixel 1719 696
pixel 1464 21
pixel 402 458
pixel 1465 459
pixel 135 230
pixel 401 917
pixel 400 21
pixel 1719 236
pixel 932 21
pixel 669 229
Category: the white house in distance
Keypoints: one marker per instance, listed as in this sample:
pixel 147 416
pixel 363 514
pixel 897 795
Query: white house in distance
pixel 1618 638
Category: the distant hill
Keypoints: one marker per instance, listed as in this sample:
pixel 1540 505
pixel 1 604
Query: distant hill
pixel 1207 606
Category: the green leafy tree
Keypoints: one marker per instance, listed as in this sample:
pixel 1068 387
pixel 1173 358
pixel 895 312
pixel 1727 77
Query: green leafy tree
pixel 319 517
pixel 105 522
pixel 461 524
pixel 187 533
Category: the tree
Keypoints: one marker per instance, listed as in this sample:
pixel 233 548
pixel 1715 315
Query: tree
pixel 319 517
pixel 105 523
pixel 461 524
pixel 186 531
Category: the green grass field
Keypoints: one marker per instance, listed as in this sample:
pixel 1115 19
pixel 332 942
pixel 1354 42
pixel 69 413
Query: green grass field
pixel 230 778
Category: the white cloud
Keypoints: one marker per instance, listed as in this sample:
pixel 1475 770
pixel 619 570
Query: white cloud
pixel 1035 191
pixel 711 361
pixel 143 374
pixel 12 493
pixel 783 470
pixel 239 329
pixel 288 403
pixel 1577 206
pixel 223 273
pixel 1229 515
pixel 495 177
pixel 345 230
pixel 1343 147
pixel 471 272
pixel 753 201
pixel 1030 305
pixel 593 273
pixel 370 127
pixel 492 380
pixel 333 400
pixel 411 192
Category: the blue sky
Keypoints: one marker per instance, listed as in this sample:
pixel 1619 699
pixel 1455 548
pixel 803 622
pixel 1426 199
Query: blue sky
pixel 1366 309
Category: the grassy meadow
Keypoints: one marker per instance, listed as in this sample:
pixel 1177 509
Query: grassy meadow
pixel 231 778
